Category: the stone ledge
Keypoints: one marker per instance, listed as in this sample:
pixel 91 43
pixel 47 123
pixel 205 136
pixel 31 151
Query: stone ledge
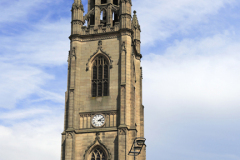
pixel 93 130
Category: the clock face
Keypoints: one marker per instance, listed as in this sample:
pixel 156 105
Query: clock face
pixel 98 120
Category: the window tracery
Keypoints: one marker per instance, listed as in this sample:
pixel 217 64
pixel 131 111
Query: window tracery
pixel 98 154
pixel 100 77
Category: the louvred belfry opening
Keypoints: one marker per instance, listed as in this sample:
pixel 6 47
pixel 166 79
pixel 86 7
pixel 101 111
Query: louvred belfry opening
pixel 100 77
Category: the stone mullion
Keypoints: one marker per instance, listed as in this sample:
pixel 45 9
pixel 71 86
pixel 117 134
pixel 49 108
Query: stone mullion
pixel 97 16
pixel 102 76
pixel 109 15
pixel 97 65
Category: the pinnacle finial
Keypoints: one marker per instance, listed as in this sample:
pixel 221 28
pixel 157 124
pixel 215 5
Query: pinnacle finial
pixel 135 20
pixel 77 1
pixel 78 5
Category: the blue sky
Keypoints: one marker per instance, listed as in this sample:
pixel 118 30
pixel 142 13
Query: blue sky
pixel 191 66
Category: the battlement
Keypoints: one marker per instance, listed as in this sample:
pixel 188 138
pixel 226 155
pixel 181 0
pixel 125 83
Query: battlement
pixel 100 29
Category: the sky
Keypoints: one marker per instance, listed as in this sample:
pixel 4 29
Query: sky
pixel 191 80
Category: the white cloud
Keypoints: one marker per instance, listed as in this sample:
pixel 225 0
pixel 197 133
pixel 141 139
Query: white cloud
pixel 46 45
pixel 22 65
pixel 192 91
pixel 19 81
pixel 35 139
pixel 22 114
pixel 198 73
pixel 18 11
pixel 47 95
pixel 5 131
pixel 159 19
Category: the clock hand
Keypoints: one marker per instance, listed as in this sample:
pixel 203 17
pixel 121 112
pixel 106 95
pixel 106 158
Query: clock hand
pixel 100 119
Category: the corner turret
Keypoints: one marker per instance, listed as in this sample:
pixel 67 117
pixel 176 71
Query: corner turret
pixel 77 17
pixel 125 14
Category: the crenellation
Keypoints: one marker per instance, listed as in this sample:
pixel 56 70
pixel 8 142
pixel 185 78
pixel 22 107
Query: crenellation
pixel 92 30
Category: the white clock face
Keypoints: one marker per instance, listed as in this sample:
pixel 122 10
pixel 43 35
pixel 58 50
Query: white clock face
pixel 98 120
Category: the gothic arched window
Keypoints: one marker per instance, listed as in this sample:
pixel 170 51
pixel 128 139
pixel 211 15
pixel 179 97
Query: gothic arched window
pixel 98 154
pixel 100 77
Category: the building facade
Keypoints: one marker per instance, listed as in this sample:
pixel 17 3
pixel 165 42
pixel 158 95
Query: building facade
pixel 103 106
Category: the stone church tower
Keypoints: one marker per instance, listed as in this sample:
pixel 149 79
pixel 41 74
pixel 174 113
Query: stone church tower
pixel 103 107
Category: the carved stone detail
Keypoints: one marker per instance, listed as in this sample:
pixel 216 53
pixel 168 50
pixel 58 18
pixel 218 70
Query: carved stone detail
pixel 97 134
pixel 112 113
pixel 135 23
pixel 138 57
pixel 102 7
pixel 86 123
pixel 102 38
pixel 97 142
pixel 73 53
pixel 87 16
pixel 123 46
pixel 126 16
pixel 122 131
pixel 69 135
pixel 124 1
pixel 99 51
pixel 100 44
pixel 77 6
pixel 93 39
pixel 126 33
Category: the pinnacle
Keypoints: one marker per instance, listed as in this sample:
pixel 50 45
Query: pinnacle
pixel 135 22
pixel 78 4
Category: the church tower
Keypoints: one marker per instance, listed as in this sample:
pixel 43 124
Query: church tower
pixel 103 102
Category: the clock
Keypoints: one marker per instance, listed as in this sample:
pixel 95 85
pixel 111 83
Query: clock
pixel 98 120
